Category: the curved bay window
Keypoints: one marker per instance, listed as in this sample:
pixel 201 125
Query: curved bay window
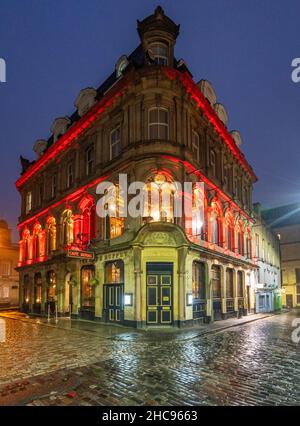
pixel 87 287
pixel 158 123
pixel 217 292
pixel 67 227
pixel 51 235
pixel 37 294
pixel 159 202
pixel 159 52
pixel 199 289
pixel 229 290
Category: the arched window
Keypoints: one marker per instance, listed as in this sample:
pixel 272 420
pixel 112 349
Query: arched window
pixel 158 123
pixel 88 208
pixel 240 239
pixel 24 247
pixel 67 227
pixel 112 223
pixel 214 226
pixel 159 203
pixel 51 235
pixel 159 52
pixel 37 234
pixel 199 210
pixel 216 223
pixel 229 231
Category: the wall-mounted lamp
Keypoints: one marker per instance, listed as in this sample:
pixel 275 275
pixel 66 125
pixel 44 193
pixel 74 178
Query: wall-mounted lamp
pixel 189 299
pixel 128 297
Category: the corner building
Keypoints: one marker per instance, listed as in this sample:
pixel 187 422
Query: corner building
pixel 151 121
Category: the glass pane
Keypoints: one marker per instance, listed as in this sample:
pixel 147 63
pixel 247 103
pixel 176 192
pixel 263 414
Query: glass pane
pixel 153 115
pixel 153 132
pixel 163 116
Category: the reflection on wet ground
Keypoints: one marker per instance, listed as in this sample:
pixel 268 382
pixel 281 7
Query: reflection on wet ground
pixel 255 363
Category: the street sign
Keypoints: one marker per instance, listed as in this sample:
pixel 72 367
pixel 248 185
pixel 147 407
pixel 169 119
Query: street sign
pixel 77 254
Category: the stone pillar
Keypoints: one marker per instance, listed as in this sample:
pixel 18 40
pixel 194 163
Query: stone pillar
pixel 60 288
pixel 223 292
pixel 182 254
pixel 137 254
pixel 209 293
pixel 235 293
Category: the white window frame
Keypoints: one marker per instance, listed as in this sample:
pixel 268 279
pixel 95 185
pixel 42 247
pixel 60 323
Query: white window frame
pixel 160 58
pixel 158 123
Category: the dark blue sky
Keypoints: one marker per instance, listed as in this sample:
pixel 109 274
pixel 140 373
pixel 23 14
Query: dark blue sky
pixel 54 48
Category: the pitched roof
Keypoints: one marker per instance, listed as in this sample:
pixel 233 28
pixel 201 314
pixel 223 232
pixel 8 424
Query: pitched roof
pixel 282 216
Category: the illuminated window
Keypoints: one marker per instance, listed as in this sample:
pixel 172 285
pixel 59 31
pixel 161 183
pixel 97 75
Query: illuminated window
pixel 113 223
pixel 89 160
pixel 51 235
pixel 198 280
pixel 160 199
pixel 114 272
pixel 159 52
pixel 37 233
pixel 115 143
pixel 198 212
pixel 158 123
pixel 67 227
pixel 28 202
pixel 214 229
pixel 240 241
pixel 51 286
pixel 87 288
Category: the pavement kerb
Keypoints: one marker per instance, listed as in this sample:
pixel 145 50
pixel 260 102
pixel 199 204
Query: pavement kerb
pixel 178 339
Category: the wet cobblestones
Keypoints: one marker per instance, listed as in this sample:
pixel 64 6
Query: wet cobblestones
pixel 252 364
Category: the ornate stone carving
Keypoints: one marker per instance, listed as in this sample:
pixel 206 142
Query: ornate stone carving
pixel 160 238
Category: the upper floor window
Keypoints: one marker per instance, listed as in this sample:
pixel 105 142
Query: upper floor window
pixel 196 145
pixel 70 175
pixel 54 186
pixel 158 123
pixel 115 143
pixel 213 162
pixel 257 246
pixel 28 202
pixel 5 268
pixel 40 194
pixel 89 160
pixel 160 53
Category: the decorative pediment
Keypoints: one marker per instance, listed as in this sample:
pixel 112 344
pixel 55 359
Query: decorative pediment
pixel 40 147
pixel 236 136
pixel 160 239
pixel 221 113
pixel 60 126
pixel 85 100
pixel 208 91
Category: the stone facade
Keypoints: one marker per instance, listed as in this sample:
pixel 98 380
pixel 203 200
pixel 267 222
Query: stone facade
pixel 285 221
pixel 150 121
pixel 9 280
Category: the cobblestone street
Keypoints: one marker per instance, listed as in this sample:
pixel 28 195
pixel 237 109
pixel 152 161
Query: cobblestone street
pixel 251 364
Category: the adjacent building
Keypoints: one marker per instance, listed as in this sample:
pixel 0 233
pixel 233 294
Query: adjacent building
pixel 267 255
pixel 9 279
pixel 285 221
pixel 151 122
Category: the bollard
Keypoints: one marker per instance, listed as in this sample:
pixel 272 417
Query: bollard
pixel 48 312
pixel 56 318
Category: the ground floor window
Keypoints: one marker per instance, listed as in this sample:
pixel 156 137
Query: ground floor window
pixel 87 287
pixel 216 281
pixel 114 272
pixel 51 286
pixel 240 284
pixel 37 288
pixel 198 280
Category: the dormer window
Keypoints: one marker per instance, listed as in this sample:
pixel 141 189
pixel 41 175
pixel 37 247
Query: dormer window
pixel 160 53
pixel 121 65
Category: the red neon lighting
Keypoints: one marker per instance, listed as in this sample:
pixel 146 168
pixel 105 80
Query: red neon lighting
pixel 200 100
pixel 208 183
pixel 75 130
pixel 69 198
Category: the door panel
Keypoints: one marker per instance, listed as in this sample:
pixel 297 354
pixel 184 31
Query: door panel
pixel 113 302
pixel 159 293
